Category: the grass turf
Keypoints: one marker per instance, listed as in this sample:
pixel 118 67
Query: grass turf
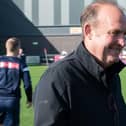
pixel 26 114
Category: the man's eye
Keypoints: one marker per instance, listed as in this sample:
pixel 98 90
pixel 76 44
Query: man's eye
pixel 113 33
pixel 116 32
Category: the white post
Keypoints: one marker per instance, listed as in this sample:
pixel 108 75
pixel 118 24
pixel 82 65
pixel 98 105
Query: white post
pixel 46 56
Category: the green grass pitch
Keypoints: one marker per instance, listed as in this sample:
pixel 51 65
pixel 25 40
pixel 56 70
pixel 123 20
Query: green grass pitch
pixel 26 114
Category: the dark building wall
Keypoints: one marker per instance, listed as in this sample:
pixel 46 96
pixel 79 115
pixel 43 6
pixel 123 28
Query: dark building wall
pixel 14 23
pixel 67 43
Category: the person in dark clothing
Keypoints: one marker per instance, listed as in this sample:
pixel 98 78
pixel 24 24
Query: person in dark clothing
pixel 12 71
pixel 79 90
pixel 22 55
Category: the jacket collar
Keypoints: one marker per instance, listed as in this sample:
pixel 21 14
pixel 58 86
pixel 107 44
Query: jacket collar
pixel 91 65
pixel 88 60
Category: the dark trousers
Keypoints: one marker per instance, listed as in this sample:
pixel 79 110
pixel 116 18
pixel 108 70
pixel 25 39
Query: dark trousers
pixel 10 106
pixel 2 115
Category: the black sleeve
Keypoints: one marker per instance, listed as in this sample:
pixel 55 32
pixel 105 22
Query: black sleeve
pixel 27 81
pixel 50 106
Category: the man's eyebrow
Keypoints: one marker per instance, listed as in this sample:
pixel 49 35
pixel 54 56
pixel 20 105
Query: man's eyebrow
pixel 116 31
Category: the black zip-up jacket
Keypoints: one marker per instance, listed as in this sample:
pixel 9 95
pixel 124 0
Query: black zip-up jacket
pixel 76 91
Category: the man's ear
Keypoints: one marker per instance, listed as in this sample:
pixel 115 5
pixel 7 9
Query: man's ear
pixel 87 31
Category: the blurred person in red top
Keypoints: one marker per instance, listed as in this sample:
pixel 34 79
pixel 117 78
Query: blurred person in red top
pixel 60 56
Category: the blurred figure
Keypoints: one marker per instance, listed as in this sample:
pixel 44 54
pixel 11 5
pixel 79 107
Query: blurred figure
pixel 12 70
pixel 60 56
pixel 79 90
pixel 22 55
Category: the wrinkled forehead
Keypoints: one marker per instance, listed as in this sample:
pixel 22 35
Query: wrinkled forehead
pixel 111 14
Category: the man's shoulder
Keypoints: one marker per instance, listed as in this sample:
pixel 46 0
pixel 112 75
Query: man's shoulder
pixel 63 64
pixel 9 58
